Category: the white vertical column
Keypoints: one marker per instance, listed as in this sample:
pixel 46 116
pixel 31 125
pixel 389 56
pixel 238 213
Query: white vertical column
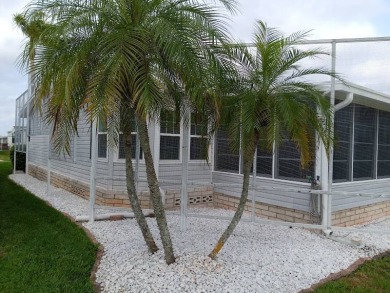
pixel 332 102
pixel 48 162
pixel 253 186
pixel 92 182
pixel 137 154
pixel 184 178
pixel 16 119
pixel 27 132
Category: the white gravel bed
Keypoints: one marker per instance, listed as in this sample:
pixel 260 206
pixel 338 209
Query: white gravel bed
pixel 257 258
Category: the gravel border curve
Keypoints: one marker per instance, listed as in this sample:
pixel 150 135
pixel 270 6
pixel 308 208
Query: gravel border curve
pixel 257 258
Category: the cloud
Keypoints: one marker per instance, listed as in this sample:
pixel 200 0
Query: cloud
pixel 325 19
pixel 12 82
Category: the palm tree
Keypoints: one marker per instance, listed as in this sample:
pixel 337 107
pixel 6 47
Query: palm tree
pixel 274 98
pixel 120 60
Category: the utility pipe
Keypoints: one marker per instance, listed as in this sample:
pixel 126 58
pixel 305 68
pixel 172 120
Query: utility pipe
pixel 112 216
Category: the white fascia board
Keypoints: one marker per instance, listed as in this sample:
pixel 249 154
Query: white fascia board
pixel 362 95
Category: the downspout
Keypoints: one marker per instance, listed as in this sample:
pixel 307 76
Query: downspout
pixel 327 200
pixel 327 161
pixel 348 100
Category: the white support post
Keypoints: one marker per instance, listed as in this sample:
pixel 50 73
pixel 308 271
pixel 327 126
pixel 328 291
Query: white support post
pixel 48 164
pixel 324 184
pixel 15 138
pixel 184 178
pixel 137 154
pixel 332 103
pixel 92 182
pixel 253 186
pixel 27 133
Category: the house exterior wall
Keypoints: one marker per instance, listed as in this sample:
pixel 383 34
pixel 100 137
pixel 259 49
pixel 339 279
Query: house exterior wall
pixel 207 186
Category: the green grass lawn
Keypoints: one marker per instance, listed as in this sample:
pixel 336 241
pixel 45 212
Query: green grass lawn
pixel 371 277
pixel 4 155
pixel 40 249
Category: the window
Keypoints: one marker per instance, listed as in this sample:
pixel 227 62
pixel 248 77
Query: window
pixel 102 140
pixel 121 150
pixel 364 142
pixel 226 159
pixel 121 143
pixel 169 136
pixel 342 149
pixel 384 144
pixel 198 139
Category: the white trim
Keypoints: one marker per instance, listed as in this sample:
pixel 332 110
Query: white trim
pixel 265 178
pixel 357 182
pixel 180 135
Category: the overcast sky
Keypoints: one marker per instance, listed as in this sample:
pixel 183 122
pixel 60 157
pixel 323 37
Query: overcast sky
pixel 325 19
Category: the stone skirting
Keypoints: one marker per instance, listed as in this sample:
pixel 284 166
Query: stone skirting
pixel 265 211
pixel 204 196
pixel 201 196
pixel 361 215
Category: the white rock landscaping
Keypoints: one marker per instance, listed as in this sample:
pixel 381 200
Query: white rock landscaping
pixel 257 258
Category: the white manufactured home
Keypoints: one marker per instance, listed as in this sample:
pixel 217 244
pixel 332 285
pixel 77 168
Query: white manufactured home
pixel 280 189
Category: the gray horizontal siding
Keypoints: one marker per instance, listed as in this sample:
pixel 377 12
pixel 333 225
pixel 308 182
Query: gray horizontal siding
pixel 83 140
pixel 119 176
pixel 369 186
pixel 38 149
pixel 230 184
pixel 170 174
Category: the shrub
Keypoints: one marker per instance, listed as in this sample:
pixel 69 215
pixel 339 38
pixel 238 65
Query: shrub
pixel 20 159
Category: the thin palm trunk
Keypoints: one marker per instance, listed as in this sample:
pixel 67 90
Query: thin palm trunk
pixel 132 193
pixel 154 188
pixel 240 209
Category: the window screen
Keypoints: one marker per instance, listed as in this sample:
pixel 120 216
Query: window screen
pixel 263 160
pixel 289 162
pixel 384 144
pixel 364 143
pixel 342 148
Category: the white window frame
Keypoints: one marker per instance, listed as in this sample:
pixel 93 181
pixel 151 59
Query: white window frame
pixel 99 132
pixel 189 144
pixel 117 159
pixel 180 135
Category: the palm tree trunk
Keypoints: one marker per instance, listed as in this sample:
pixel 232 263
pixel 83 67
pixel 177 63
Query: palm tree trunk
pixel 240 209
pixel 132 193
pixel 154 188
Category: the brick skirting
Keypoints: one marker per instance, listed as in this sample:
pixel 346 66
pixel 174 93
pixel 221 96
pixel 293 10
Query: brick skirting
pixel 201 196
pixel 204 196
pixel 361 215
pixel 265 211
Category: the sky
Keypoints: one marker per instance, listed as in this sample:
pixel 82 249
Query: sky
pixel 325 19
